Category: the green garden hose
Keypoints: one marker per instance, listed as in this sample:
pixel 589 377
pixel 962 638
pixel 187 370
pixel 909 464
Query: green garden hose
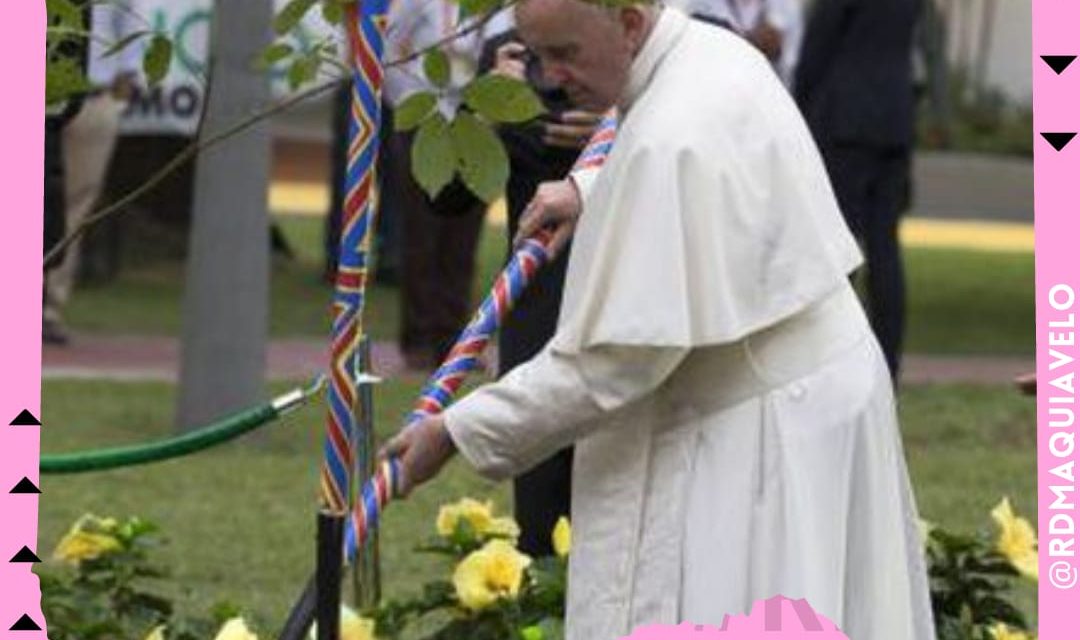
pixel 203 438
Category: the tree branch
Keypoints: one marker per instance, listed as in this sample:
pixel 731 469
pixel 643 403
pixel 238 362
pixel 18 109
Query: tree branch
pixel 200 145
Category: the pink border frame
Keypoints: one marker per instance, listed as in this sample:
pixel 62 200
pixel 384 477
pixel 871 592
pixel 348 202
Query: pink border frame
pixel 21 122
pixel 1057 228
pixel 1057 273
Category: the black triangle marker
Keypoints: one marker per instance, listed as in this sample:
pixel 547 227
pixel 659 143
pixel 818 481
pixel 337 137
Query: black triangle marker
pixel 25 623
pixel 25 419
pixel 25 486
pixel 25 555
pixel 1058 63
pixel 1059 140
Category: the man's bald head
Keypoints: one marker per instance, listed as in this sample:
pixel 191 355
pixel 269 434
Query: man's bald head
pixel 584 47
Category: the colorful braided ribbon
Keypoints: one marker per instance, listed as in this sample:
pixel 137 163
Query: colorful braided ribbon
pixel 530 256
pixel 365 20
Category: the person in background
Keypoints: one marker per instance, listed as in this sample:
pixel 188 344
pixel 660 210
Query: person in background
pixel 855 87
pixel 775 27
pixel 539 152
pixel 89 139
pixel 439 235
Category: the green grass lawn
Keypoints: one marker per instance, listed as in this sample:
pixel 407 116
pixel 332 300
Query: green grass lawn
pixel 959 301
pixel 240 517
pixel 147 301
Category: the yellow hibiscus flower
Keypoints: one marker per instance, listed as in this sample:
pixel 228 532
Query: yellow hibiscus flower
pixel 78 546
pixel 479 515
pixel 157 633
pixel 561 536
pixel 494 571
pixel 1017 541
pixel 353 626
pixel 1001 631
pixel 504 528
pixel 235 629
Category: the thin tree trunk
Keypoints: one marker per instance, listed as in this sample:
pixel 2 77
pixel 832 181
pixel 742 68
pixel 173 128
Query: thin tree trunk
pixel 226 300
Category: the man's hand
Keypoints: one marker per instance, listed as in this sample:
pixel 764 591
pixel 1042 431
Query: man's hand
pixel 423 449
pixel 510 60
pixel 557 205
pixel 573 129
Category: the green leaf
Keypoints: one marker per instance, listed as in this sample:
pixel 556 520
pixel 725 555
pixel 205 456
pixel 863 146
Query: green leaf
pixel 502 99
pixel 157 59
pixel 477 7
pixel 124 42
pixel 63 79
pixel 274 54
pixel 433 158
pixel 64 12
pixel 291 15
pixel 437 67
pixel 481 158
pixel 333 11
pixel 413 110
pixel 303 70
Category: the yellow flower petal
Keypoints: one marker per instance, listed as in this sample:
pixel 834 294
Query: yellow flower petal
pixel 1001 631
pixel 470 583
pixel 157 633
pixel 1017 540
pixel 235 629
pixel 353 626
pixel 492 572
pixel 503 527
pixel 561 537
pixel 78 546
pixel 478 514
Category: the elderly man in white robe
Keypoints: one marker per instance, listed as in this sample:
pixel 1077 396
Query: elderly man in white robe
pixel 733 415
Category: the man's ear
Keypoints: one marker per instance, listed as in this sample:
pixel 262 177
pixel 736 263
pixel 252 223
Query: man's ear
pixel 634 24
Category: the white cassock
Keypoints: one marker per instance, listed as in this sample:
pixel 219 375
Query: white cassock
pixel 734 419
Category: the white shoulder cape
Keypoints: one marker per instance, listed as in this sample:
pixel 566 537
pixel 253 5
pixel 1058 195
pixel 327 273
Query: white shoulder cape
pixel 713 216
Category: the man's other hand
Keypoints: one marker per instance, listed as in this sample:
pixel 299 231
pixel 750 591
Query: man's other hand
pixel 423 449
pixel 573 129
pixel 555 205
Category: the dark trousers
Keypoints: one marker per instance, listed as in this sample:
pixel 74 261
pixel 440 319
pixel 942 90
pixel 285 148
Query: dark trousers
pixel 438 258
pixel 872 186
pixel 542 494
pixel 54 201
pixel 388 220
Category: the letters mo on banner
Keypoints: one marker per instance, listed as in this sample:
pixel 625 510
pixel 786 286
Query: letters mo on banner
pixel 174 106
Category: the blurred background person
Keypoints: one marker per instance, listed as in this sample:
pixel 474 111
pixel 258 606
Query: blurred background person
pixel 438 235
pixel 855 87
pixel 88 143
pixel 539 151
pixel 775 27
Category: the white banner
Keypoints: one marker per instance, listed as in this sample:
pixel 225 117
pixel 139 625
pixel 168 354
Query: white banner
pixel 174 106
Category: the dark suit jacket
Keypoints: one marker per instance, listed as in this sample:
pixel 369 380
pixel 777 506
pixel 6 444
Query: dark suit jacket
pixel 533 318
pixel 854 81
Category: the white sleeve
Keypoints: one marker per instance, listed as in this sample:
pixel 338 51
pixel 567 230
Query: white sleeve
pixel 545 404
pixel 584 179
